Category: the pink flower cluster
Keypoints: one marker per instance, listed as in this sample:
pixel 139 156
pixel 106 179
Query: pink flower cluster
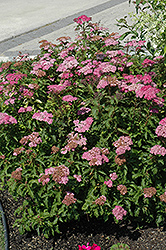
pixel 69 199
pixel 147 91
pixel 43 116
pixel 83 110
pixel 33 138
pixel 158 150
pixel 102 84
pixel 113 177
pixel 82 19
pixel 73 142
pixel 110 41
pixel 58 88
pixel 83 125
pixel 17 151
pixel 87 69
pixel 147 62
pixel 13 78
pixel 44 179
pixel 87 247
pixel 69 98
pixel 7 119
pixel 59 175
pixel 104 67
pixel 101 200
pixel 27 93
pixel 22 110
pixel 119 212
pixel 96 156
pixel 161 129
pixel 135 43
pixel 122 144
pixel 78 177
pixel 10 100
pixel 68 63
pixel 44 63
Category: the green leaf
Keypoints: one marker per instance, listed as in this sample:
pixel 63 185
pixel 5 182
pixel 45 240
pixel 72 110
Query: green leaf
pixel 124 35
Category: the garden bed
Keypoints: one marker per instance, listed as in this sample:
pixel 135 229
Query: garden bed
pixel 75 233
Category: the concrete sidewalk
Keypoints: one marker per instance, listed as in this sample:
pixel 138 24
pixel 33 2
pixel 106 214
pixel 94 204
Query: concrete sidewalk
pixel 24 24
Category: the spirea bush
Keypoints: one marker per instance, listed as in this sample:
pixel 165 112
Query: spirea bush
pixel 83 131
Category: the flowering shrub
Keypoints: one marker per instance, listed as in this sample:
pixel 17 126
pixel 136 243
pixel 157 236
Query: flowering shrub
pixel 82 131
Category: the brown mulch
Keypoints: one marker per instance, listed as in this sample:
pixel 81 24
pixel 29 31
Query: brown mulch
pixel 79 233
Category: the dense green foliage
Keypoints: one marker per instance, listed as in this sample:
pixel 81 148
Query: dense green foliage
pixel 64 168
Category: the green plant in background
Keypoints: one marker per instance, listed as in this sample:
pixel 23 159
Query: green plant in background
pixel 120 246
pixel 82 131
pixel 148 24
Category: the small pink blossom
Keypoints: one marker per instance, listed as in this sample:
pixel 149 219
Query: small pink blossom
pixel 109 183
pixel 82 19
pixel 7 119
pixel 78 177
pixel 87 247
pixel 96 156
pixel 83 110
pixel 158 150
pixel 69 98
pixel 69 199
pixel 44 179
pixel 119 212
pixel 113 176
pixel 43 116
pixel 83 125
pixel 101 200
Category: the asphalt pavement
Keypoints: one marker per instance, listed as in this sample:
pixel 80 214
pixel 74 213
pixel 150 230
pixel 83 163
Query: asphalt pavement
pixel 25 23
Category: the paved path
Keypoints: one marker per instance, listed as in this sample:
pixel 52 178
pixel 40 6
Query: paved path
pixel 25 23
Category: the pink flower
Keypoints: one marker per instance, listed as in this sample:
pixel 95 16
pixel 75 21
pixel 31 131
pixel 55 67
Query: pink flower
pixel 69 98
pixel 22 110
pixel 122 144
pixel 68 63
pixel 148 91
pixel 83 110
pixel 44 179
pixel 7 119
pixel 119 212
pixel 10 100
pixel 109 183
pixel 163 122
pixel 102 84
pixel 158 150
pixel 83 125
pixel 78 177
pixel 161 130
pixel 110 41
pixel 96 156
pixel 113 176
pixel 148 62
pixel 82 19
pixel 43 116
pixel 60 174
pixel 73 142
pixel 34 139
pixel 69 199
pixel 87 247
pixel 49 170
pixel 101 200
